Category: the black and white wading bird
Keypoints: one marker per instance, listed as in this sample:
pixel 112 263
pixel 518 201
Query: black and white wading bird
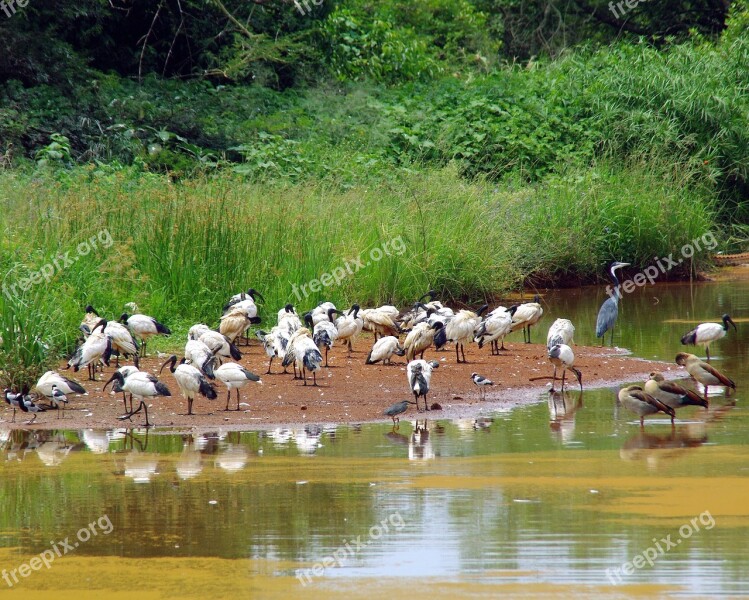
pixel 98 346
pixel 609 310
pixel 144 327
pixel 562 331
pixel 384 349
pixel 27 404
pixel 562 356
pixel 190 381
pixel 526 315
pixel 706 333
pixel 14 400
pixel 460 329
pixel 140 385
pixel 58 400
pixel 420 338
pixel 234 376
pixel 482 383
pixel 419 374
pixel 495 326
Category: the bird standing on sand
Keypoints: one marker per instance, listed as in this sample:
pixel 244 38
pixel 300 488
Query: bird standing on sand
pixel 420 338
pixel 562 331
pixel 98 345
pixel 495 326
pixel 609 310
pixel 398 409
pixel 57 399
pixel 482 383
pixel 526 315
pixel 419 373
pixel 144 327
pixel 14 400
pixel 703 372
pixel 384 349
pixel 190 381
pixel 234 376
pixel 706 333
pixel 140 385
pixel 641 403
pixel 461 329
pixel 671 393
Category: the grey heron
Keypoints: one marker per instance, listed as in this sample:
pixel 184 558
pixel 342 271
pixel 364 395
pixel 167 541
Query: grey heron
pixel 609 310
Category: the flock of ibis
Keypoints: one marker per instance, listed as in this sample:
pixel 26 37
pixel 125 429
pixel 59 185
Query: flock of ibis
pixel 303 342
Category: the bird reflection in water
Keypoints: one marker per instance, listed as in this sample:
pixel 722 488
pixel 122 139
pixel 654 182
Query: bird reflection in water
pixel 420 446
pixel 562 409
pixel 656 448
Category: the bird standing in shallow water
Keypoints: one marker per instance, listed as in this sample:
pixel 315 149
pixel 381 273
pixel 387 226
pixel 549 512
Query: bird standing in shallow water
pixel 703 372
pixel 398 409
pixel 609 310
pixel 671 393
pixel 641 403
pixel 706 333
pixel 482 383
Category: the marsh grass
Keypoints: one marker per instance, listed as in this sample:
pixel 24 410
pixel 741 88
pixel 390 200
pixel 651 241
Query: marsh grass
pixel 180 250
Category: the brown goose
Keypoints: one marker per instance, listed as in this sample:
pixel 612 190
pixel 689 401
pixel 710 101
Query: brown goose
pixel 671 393
pixel 634 398
pixel 703 372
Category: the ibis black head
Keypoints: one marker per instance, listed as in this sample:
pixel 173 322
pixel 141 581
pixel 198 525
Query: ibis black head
pixel 171 361
pixel 537 299
pixel 116 376
pixel 355 308
pixel 289 308
pixel 437 325
pixel 252 292
pixel 124 317
pixel 331 312
pixel 726 320
pixel 91 309
pixel 308 318
pixel 482 310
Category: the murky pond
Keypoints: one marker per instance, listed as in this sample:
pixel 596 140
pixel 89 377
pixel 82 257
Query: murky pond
pixel 565 496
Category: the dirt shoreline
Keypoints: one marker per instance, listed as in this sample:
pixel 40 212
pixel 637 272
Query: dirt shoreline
pixel 348 392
